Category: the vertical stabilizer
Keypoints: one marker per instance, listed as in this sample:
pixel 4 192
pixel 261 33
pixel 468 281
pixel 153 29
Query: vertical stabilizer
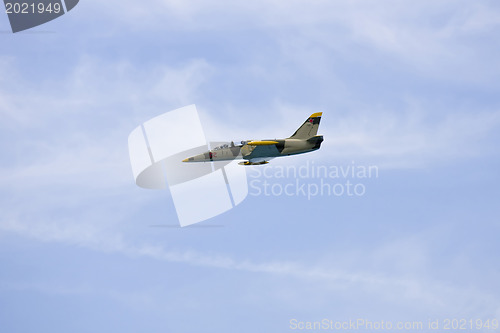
pixel 309 128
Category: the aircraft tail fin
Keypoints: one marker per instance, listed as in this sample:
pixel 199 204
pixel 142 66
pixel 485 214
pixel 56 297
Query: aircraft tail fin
pixel 309 128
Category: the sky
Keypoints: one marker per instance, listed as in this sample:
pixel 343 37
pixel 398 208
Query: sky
pixel 409 87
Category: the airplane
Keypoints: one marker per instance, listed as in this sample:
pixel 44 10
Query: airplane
pixel 258 152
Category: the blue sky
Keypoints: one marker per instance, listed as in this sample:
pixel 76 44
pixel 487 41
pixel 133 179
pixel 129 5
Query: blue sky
pixel 411 87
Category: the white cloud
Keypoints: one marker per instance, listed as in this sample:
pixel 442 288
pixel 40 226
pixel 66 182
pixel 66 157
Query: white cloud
pixel 73 130
pixel 97 88
pixel 426 34
pixel 411 139
pixel 327 276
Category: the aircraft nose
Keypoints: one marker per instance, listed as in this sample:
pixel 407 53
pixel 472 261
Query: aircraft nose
pixel 196 158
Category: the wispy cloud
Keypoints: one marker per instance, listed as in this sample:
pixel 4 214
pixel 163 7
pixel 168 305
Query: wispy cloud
pixel 327 276
pixel 425 34
pixel 413 139
pixel 74 129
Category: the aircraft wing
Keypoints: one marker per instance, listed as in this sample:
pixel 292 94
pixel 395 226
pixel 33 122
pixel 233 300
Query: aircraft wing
pixel 260 151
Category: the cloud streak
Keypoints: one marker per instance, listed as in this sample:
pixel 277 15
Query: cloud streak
pixel 327 276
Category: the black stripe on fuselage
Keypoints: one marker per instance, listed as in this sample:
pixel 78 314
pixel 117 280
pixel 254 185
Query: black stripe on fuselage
pixel 280 145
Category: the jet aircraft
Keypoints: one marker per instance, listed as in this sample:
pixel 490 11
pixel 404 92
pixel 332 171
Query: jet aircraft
pixel 256 152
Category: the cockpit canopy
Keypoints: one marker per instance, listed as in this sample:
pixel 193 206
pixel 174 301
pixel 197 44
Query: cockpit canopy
pixel 221 147
pixel 235 143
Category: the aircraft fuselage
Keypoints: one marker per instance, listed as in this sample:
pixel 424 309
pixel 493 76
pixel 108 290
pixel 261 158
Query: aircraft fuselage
pixel 304 140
